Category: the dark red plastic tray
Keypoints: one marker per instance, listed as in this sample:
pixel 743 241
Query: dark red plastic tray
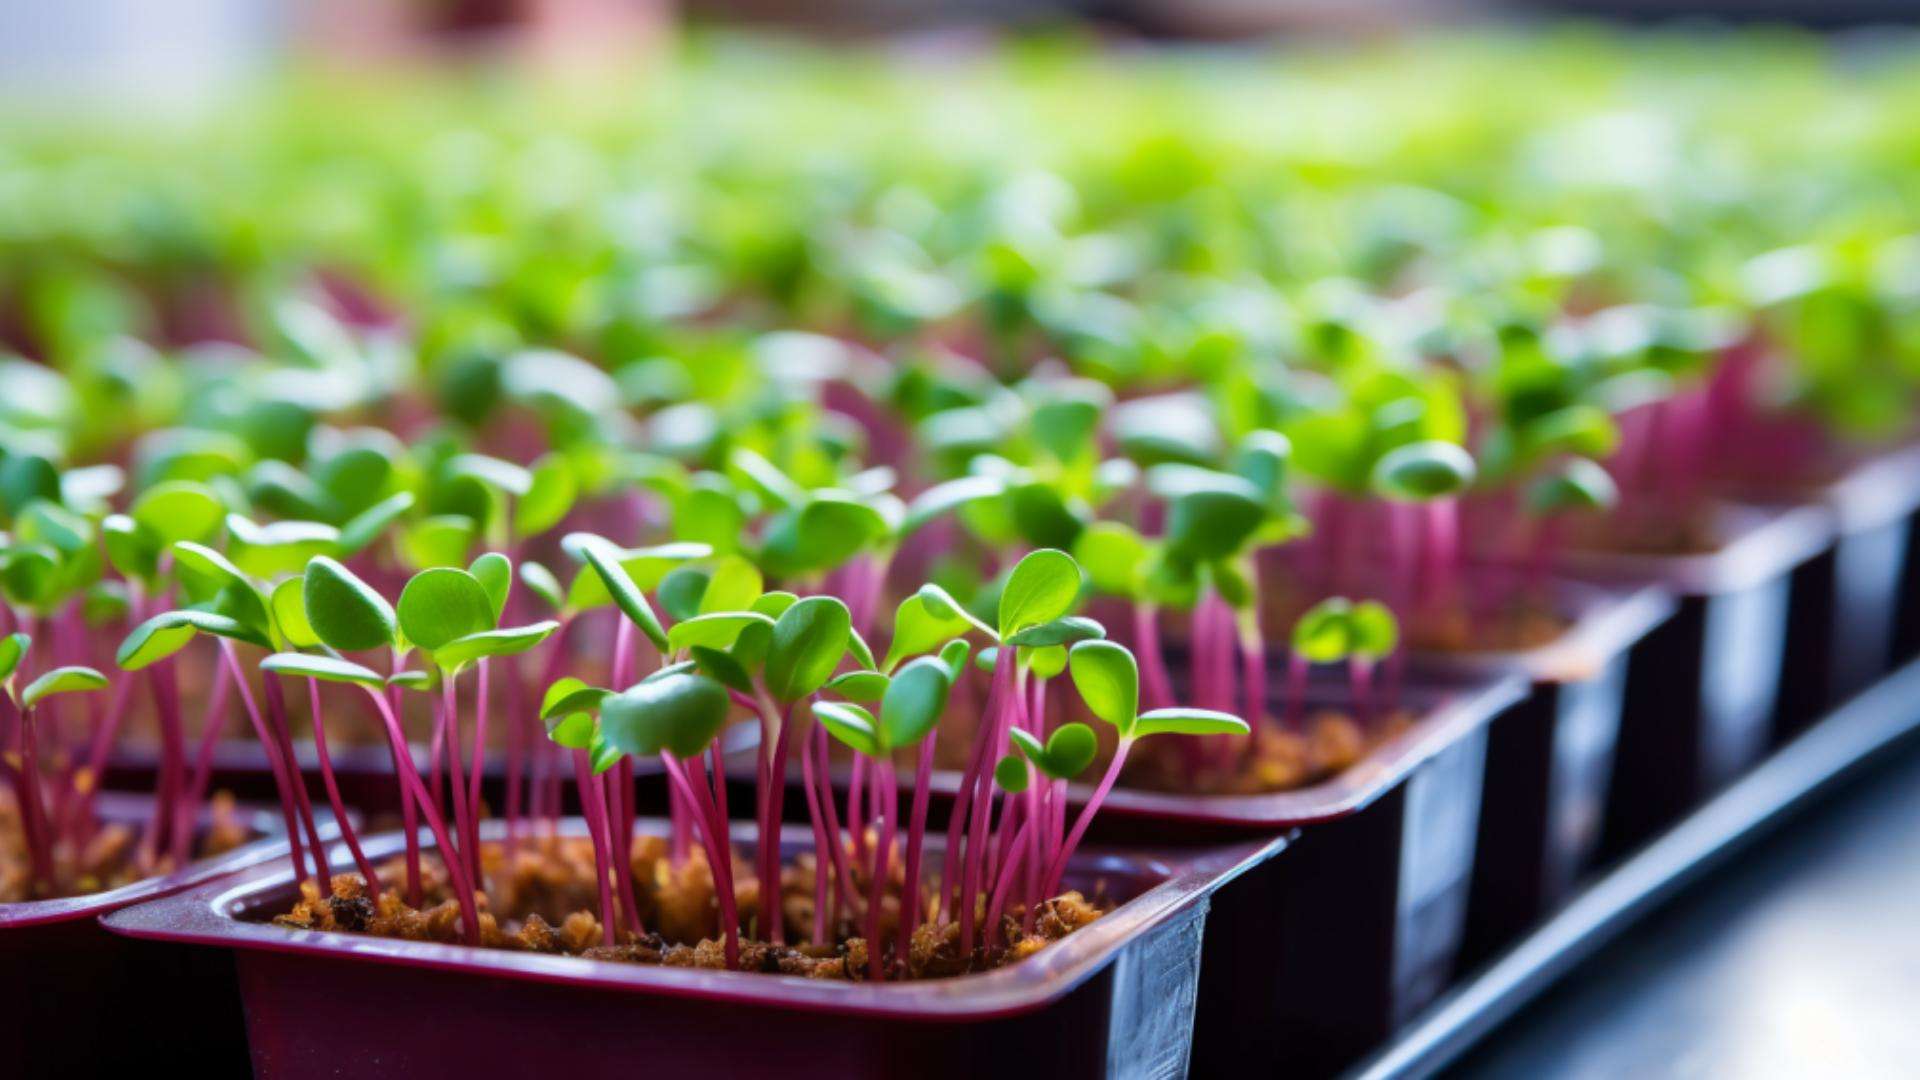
pixel 1114 998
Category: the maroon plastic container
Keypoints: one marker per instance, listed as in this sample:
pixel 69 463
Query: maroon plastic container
pixel 1549 759
pixel 78 1001
pixel 1314 958
pixel 1115 998
pixel 1702 688
pixel 1848 602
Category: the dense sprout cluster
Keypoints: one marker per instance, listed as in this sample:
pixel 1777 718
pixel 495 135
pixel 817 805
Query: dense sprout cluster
pixel 577 432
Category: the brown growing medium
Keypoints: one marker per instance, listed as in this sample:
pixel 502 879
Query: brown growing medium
pixel 109 857
pixel 543 903
pixel 1272 759
pixel 1516 627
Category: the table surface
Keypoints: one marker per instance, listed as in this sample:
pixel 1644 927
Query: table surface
pixel 1799 959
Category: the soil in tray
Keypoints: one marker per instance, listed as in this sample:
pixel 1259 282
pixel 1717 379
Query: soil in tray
pixel 1274 758
pixel 544 903
pixel 103 857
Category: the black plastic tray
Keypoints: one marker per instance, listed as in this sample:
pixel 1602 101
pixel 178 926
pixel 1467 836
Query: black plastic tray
pixel 1703 688
pixel 1886 715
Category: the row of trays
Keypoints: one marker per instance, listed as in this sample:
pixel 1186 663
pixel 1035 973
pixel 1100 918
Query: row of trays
pixel 1284 933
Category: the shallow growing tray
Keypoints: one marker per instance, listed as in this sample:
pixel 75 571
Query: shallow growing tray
pixel 1885 716
pixel 78 1001
pixel 1550 758
pixel 1702 687
pixel 1849 601
pixel 1115 998
pixel 1313 958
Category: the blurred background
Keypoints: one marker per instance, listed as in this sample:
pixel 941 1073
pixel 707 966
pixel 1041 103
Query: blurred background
pixel 188 54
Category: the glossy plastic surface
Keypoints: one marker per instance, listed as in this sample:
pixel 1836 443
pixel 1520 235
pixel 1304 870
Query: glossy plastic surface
pixel 78 1001
pixel 1702 688
pixel 1550 759
pixel 1117 996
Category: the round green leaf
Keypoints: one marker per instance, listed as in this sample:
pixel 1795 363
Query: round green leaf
pixel 1373 630
pixel 1183 721
pixel 1578 485
pixel 604 560
pixel 1070 749
pixel 716 631
pixel 1423 470
pixel 850 724
pixel 1114 557
pixel 440 605
pixel 913 703
pixel 571 695
pixel 1108 680
pixel 942 499
pixel 863 686
pixel 368 525
pixel 289 604
pixel 13 648
pixel 1324 633
pixel 179 510
pixel 1062 631
pixel 549 496
pixel 61 680
pixel 540 581
pixel 722 666
pixel 326 668
pixel 439 541
pixel 168 633
pixel 494 572
pixel 345 612
pixel 506 641
pixel 132 548
pixel 681 713
pixel 808 641
pixel 1041 588
pixel 732 585
pixel 1011 774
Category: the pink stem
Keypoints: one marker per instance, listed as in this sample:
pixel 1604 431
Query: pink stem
pixel 333 792
pixel 877 888
pixel 593 806
pixel 1156 683
pixel 1080 823
pixel 271 749
pixel 462 816
pixel 619 785
pixel 1000 891
pixel 822 856
pixel 412 786
pixel 916 838
pixel 211 727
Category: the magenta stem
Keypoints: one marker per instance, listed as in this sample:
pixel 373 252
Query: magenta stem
pixel 1155 682
pixel 409 806
pixel 211 726
pixel 412 785
pixel 32 812
pixel 844 891
pixel 773 811
pixel 916 838
pixel 1085 818
pixel 1000 890
pixel 276 714
pixel 593 807
pixel 822 856
pixel 333 792
pixel 877 888
pixel 619 787
pixel 462 818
